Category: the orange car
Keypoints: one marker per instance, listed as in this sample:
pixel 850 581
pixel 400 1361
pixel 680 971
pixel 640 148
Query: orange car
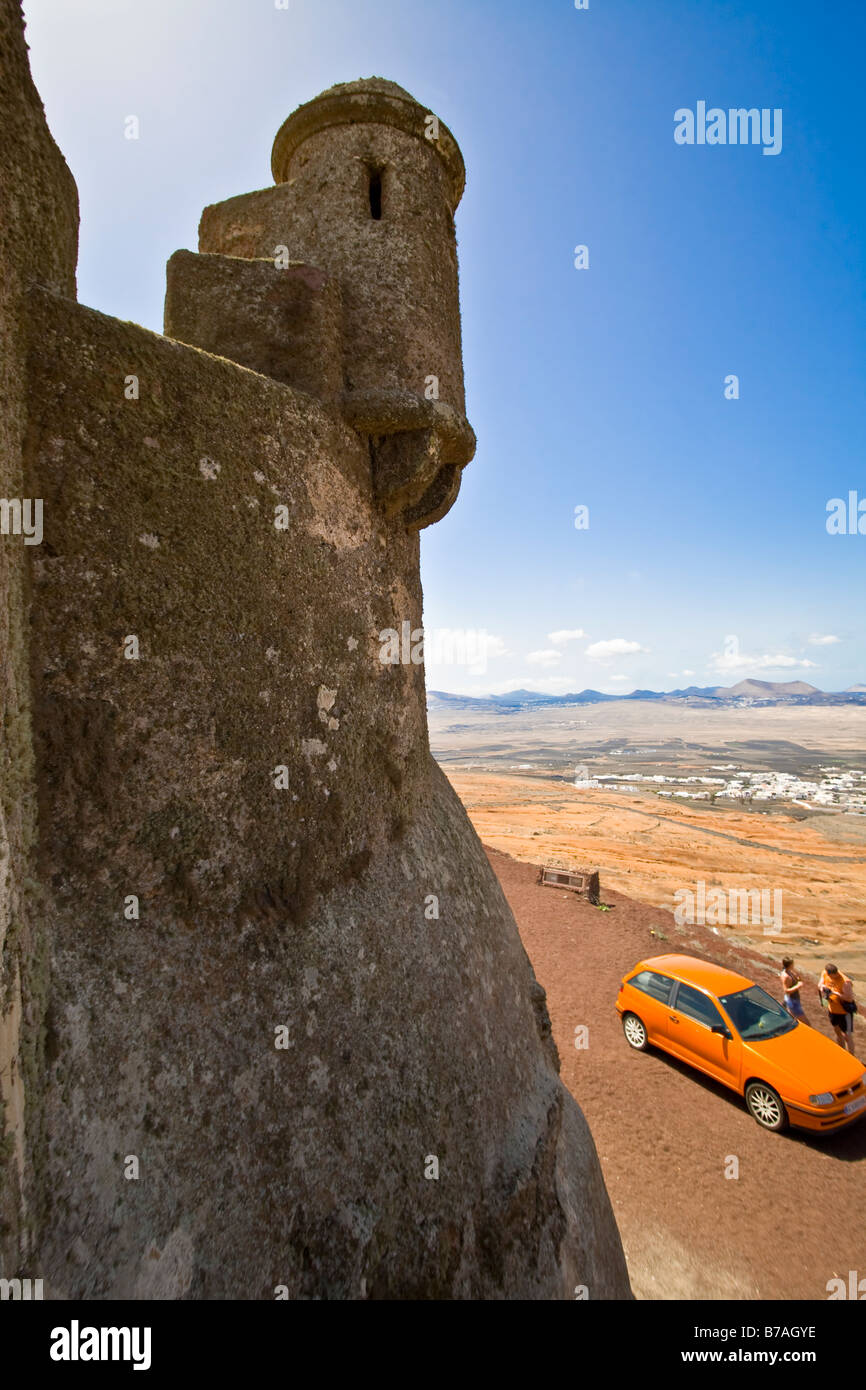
pixel 732 1030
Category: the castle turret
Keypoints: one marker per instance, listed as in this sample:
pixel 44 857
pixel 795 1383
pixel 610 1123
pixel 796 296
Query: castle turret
pixel 367 183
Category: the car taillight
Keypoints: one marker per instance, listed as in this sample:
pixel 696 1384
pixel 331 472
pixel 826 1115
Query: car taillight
pixel 621 984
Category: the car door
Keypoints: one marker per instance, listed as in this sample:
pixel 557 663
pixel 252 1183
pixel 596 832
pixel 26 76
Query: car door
pixel 653 993
pixel 689 1024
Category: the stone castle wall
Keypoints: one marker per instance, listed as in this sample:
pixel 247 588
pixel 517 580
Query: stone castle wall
pixel 282 985
pixel 38 242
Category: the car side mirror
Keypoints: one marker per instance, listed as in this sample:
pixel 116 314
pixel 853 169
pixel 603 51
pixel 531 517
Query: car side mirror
pixel 723 1029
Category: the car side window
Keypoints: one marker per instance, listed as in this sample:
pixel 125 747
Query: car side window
pixel 696 1005
pixel 657 986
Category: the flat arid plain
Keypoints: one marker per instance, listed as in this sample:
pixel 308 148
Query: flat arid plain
pixel 515 772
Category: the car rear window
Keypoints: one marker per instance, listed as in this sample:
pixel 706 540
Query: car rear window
pixel 658 986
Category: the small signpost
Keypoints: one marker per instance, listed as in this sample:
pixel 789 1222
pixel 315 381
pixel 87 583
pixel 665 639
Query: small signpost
pixel 586 884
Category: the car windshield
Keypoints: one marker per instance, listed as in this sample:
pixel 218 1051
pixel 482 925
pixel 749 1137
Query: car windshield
pixel 755 1014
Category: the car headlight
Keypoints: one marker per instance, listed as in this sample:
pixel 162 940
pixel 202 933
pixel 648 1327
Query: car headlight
pixel 825 1098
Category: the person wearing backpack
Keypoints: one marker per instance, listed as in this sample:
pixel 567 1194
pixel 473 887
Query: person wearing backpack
pixel 838 992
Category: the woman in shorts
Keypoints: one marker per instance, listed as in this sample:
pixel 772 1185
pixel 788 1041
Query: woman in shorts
pixel 792 984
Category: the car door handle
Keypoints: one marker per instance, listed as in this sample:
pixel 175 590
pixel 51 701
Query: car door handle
pixel 673 1018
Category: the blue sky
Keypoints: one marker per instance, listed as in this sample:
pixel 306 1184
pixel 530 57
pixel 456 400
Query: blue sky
pixel 707 557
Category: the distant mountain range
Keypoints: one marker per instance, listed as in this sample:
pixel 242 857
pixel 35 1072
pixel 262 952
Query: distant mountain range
pixel 746 691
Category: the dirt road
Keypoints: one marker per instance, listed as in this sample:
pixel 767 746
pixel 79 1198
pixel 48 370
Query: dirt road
pixel 793 1219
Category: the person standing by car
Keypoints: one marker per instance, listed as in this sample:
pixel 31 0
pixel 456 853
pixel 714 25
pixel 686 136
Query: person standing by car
pixel 838 991
pixel 792 985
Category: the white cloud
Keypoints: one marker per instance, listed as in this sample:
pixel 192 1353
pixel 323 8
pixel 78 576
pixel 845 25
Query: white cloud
pixel 739 661
pixel 619 678
pixel 614 646
pixel 548 657
pixel 816 640
pixel 565 634
pixel 495 646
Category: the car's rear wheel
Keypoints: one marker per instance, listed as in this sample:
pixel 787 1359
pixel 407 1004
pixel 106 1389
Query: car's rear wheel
pixel 635 1032
pixel 765 1106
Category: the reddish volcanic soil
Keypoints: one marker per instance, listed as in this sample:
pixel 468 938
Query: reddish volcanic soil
pixel 793 1219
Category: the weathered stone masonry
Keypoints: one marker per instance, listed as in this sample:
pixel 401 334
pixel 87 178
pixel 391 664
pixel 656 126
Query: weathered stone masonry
pixel 304 386
pixel 38 243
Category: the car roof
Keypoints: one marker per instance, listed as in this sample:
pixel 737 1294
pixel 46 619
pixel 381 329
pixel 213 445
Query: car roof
pixel 703 973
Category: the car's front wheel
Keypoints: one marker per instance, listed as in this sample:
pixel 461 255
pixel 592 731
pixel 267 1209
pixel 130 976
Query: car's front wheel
pixel 635 1032
pixel 765 1106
